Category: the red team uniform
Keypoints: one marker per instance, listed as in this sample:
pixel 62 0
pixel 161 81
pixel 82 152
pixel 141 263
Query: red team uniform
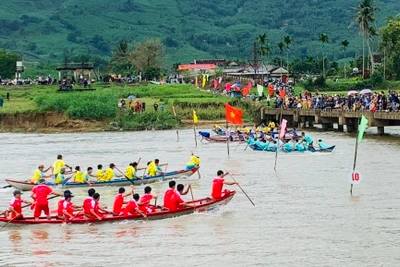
pixel 217 186
pixel 60 207
pixel 42 204
pixel 16 204
pixel 130 208
pixel 167 197
pixel 175 202
pixel 118 202
pixel 146 200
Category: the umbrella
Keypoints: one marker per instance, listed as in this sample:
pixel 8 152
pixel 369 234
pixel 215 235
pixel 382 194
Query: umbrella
pixel 352 92
pixel 131 97
pixel 365 91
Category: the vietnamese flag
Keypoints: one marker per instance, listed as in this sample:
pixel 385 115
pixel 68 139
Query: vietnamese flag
pixel 233 115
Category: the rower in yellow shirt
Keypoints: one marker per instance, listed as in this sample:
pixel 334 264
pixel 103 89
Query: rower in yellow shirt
pixel 153 168
pixel 109 173
pixel 100 172
pixel 194 162
pixel 271 125
pixel 58 165
pixel 39 173
pixel 131 170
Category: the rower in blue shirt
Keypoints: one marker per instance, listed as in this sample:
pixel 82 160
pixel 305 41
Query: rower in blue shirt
pixel 307 138
pixel 294 133
pixel 204 134
pixel 322 145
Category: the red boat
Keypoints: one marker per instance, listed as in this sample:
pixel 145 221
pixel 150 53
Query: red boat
pixel 202 205
pixel 222 139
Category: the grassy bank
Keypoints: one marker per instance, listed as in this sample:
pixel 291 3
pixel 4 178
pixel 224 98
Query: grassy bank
pixel 102 104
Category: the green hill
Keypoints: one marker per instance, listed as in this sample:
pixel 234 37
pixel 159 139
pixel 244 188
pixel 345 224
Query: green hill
pixel 45 29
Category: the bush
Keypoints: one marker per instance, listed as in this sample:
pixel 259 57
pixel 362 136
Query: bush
pixel 91 105
pixel 147 121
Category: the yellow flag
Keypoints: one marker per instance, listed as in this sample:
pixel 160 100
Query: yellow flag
pixel 195 118
pixel 204 81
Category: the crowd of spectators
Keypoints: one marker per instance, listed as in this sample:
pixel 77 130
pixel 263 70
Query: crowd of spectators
pixel 372 101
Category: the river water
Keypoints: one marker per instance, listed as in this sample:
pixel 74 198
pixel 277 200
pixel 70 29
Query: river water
pixel 304 214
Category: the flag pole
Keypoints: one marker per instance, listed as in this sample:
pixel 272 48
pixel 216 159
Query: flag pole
pixel 177 131
pixel 355 153
pixel 279 133
pixel 227 137
pixel 194 131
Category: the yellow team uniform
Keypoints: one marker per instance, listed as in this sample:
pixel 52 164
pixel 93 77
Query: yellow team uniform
pixel 109 174
pixel 79 177
pixel 57 166
pixel 130 172
pixel 99 174
pixel 152 169
pixel 59 178
pixel 36 176
pixel 271 125
pixel 194 161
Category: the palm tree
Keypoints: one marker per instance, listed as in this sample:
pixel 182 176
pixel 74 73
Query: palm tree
pixel 287 40
pixel 281 45
pixel 365 15
pixel 345 44
pixel 262 46
pixel 324 39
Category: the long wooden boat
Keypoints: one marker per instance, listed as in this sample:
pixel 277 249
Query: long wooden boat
pixel 182 174
pixel 313 150
pixel 221 139
pixel 201 205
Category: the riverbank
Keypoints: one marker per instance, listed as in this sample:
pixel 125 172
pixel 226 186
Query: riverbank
pixel 44 110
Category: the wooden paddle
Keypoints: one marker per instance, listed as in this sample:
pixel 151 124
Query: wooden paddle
pixel 7 186
pixel 240 142
pixel 242 190
pixel 25 206
pixel 126 177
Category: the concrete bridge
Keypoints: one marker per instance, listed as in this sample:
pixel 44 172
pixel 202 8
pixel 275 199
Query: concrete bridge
pixel 304 118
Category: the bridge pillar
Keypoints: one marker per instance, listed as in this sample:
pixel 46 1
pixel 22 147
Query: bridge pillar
pixel 381 130
pixel 351 125
pixel 340 128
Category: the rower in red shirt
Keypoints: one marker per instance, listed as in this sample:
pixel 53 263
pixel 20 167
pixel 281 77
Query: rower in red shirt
pixel 60 205
pixel 87 202
pixel 68 207
pixel 132 208
pixel 15 209
pixel 176 201
pixel 169 193
pixel 119 200
pixel 95 208
pixel 218 184
pixel 40 193
pixel 144 203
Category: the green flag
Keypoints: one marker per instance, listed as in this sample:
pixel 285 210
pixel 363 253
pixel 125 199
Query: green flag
pixel 361 128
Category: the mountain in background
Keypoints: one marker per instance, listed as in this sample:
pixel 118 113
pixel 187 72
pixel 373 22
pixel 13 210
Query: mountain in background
pixel 44 30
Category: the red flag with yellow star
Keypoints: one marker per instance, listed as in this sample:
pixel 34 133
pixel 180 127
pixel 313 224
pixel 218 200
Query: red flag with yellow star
pixel 233 115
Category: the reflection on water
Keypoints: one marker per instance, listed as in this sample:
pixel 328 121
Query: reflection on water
pixel 304 214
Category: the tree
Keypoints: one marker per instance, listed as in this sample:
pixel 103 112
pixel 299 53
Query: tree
pixel 121 61
pixel 324 39
pixel 365 16
pixel 345 44
pixel 148 57
pixel 287 40
pixel 8 64
pixel 389 46
pixel 262 48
